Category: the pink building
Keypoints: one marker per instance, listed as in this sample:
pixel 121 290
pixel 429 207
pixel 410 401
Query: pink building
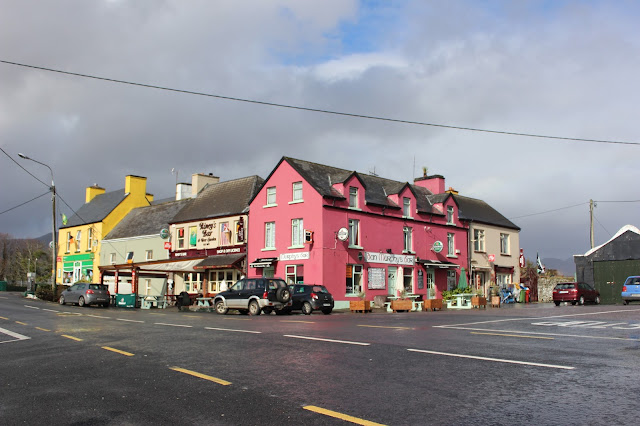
pixel 356 233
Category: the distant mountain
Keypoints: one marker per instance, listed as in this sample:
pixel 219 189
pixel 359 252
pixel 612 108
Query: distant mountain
pixel 564 267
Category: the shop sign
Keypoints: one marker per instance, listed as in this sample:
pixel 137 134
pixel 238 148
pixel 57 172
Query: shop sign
pixel 229 250
pixel 437 246
pixel 167 245
pixel 492 258
pixel 390 259
pixel 294 256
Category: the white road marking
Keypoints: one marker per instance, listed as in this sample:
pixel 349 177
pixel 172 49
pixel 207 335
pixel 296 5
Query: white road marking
pixel 482 358
pixel 230 329
pixel 98 316
pixel 544 334
pixel 328 340
pixel 17 337
pixel 173 325
pixel 50 310
pixel 127 320
pixel 31 307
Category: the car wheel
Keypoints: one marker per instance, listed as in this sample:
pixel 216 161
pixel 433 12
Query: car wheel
pixel 626 302
pixel 254 308
pixel 557 303
pixel 267 311
pixel 597 301
pixel 581 300
pixel 81 301
pixel 221 308
pixel 61 301
pixel 573 302
pixel 326 311
pixel 306 308
pixel 283 295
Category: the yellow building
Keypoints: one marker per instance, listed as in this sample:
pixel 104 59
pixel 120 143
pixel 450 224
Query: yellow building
pixel 79 240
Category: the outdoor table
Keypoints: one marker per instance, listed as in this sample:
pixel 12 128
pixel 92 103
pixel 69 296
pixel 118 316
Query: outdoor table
pixel 147 301
pixel 463 301
pixel 204 302
pixel 416 305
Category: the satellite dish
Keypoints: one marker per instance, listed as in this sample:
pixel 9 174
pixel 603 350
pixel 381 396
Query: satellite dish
pixel 343 234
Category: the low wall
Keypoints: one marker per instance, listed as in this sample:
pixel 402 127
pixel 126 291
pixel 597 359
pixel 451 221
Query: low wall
pixel 546 285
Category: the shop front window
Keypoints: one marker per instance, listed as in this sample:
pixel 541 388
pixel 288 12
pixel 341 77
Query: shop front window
pixel 407 279
pixel 354 279
pixel 294 274
pixel 180 233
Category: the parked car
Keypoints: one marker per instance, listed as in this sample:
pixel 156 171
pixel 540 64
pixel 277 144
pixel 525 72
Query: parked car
pixel 631 289
pixel 85 294
pixel 253 296
pixel 309 298
pixel 575 292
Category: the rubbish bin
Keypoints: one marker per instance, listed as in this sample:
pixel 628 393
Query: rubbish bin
pixel 521 296
pixel 126 300
pixel 528 296
pixel 3 286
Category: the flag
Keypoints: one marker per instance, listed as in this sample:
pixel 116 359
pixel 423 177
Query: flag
pixel 64 219
pixel 540 265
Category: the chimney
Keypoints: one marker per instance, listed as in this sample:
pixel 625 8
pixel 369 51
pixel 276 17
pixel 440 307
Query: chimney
pixel 434 183
pixel 200 180
pixel 183 191
pixel 135 185
pixel 92 191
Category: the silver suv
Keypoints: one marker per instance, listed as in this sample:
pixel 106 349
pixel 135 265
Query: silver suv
pixel 253 296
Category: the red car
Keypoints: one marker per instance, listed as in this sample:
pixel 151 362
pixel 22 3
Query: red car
pixel 575 293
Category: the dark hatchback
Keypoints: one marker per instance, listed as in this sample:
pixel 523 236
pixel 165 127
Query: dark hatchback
pixel 309 298
pixel 575 292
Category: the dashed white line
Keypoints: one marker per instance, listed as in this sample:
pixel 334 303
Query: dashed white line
pixel 31 307
pixel 127 320
pixel 50 310
pixel 230 329
pixel 482 358
pixel 328 340
pixel 98 316
pixel 173 325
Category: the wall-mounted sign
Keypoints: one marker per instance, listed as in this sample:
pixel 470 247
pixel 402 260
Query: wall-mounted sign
pixel 492 258
pixel 389 258
pixel 164 233
pixel 437 246
pixel 294 256
pixel 228 250
pixel 167 245
pixel 343 234
pixel 376 278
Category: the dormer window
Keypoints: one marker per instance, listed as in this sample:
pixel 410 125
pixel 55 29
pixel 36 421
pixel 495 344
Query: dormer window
pixel 450 215
pixel 353 197
pixel 271 196
pixel 406 207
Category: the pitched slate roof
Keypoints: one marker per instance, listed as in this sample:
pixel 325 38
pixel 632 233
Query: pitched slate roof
pixel 221 199
pixel 147 220
pixel 97 209
pixel 479 211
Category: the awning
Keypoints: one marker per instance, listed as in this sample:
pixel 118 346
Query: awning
pixel 505 269
pixel 263 262
pixel 220 261
pixel 165 266
pixel 438 264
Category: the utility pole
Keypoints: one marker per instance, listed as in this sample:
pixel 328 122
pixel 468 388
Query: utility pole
pixel 591 205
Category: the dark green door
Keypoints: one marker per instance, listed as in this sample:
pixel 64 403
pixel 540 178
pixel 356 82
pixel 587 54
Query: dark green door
pixel 610 275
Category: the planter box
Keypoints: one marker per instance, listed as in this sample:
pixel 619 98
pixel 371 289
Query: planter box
pixel 401 305
pixel 495 301
pixel 360 306
pixel 477 301
pixel 432 304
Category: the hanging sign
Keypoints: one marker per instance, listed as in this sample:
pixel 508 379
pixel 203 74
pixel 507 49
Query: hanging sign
pixel 437 246
pixel 492 258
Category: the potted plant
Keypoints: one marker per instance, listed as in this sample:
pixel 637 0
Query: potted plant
pixel 495 296
pixel 478 299
pixel 403 303
pixel 360 305
pixel 432 303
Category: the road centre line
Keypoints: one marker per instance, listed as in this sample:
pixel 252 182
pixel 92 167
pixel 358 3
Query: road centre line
pixel 340 416
pixel 328 340
pixel 16 336
pixel 545 334
pixel 98 316
pixel 384 326
pixel 230 329
pixel 42 329
pixel 77 339
pixel 21 323
pixel 31 307
pixel 202 376
pixel 4 318
pixel 482 358
pixel 117 351
pixel 237 319
pixel 173 325
pixel 128 320
pixel 305 322
pixel 69 313
pixel 50 310
pixel 513 335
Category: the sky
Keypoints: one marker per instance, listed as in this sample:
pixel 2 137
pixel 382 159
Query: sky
pixel 554 68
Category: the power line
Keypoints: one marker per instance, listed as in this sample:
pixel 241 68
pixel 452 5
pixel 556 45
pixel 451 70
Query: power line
pixel 324 111
pixel 26 202
pixel 20 165
pixel 548 211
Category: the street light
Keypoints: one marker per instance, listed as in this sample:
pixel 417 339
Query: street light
pixel 54 235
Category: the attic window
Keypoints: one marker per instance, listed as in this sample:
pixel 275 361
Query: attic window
pixel 353 197
pixel 450 215
pixel 406 207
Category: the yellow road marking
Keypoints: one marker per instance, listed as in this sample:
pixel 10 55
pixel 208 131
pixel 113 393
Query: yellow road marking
pixel 117 351
pixel 43 329
pixel 200 375
pixel 4 318
pixel 238 319
pixel 306 322
pixel 19 322
pixel 72 338
pixel 514 335
pixel 341 416
pixel 383 326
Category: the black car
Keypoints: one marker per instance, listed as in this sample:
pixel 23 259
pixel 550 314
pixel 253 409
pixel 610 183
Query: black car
pixel 309 298
pixel 253 296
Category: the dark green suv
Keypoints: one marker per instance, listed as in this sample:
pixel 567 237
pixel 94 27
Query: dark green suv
pixel 254 295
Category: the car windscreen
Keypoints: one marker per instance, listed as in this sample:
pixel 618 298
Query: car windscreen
pixel 319 289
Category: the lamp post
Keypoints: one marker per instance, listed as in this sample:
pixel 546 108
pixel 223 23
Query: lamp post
pixel 54 236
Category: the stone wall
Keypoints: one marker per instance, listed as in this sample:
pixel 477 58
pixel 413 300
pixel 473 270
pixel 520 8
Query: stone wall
pixel 546 285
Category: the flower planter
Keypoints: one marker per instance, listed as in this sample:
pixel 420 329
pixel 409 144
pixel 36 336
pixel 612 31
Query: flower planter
pixel 432 304
pixel 495 301
pixel 401 305
pixel 360 306
pixel 477 301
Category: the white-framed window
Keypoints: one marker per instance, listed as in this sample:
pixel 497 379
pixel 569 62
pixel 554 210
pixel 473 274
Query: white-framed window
pixel 354 279
pixel 406 207
pixel 504 244
pixel 354 233
pixel 148 255
pixel 226 236
pixel 450 215
pixel 353 197
pixel 192 281
pixel 147 286
pixel 193 236
pixel 297 192
pixel 112 258
pixel 68 242
pixel 297 233
pixel 451 244
pixel 408 244
pixel 89 238
pixel 222 280
pixel 478 240
pixel 503 280
pixel 78 239
pixel 407 279
pixel 293 274
pixel 270 235
pixel 180 234
pixel 271 196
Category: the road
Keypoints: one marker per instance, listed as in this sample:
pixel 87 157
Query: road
pixel 525 364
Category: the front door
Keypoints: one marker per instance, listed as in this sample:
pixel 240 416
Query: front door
pixel 431 284
pixel 392 274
